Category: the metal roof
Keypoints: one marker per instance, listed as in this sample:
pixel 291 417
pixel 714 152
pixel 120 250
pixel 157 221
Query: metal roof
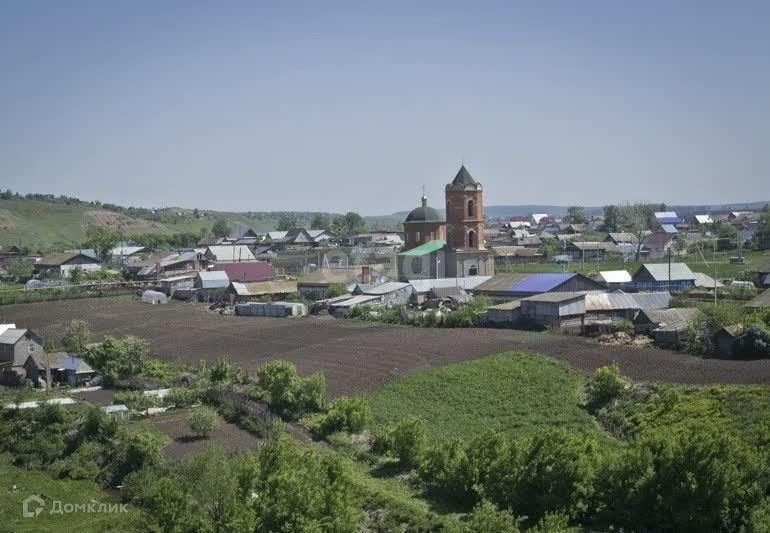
pixel 385 288
pixel 676 319
pixel 502 281
pixel 277 235
pixel 659 271
pixel 325 276
pixel 615 276
pixel 425 249
pixel 178 257
pixel 593 245
pixel 665 214
pixel 543 282
pixel 231 253
pixel 12 335
pixel 617 301
pixel 669 228
pixel 703 219
pixel 763 300
pixel 623 237
pixel 357 300
pixel 213 279
pixel 422 286
pixel 247 271
pixel 506 306
pixel 705 281
pixel 555 297
pixel 126 250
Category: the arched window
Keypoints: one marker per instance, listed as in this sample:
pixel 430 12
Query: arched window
pixel 471 239
pixel 471 208
pixel 473 271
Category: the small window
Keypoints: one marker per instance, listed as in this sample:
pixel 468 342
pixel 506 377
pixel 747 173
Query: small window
pixel 471 208
pixel 471 239
pixel 416 265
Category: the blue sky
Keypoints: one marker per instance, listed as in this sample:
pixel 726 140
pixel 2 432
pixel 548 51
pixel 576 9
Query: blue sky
pixel 255 106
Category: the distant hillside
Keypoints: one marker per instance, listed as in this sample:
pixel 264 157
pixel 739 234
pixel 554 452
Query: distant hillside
pixel 57 224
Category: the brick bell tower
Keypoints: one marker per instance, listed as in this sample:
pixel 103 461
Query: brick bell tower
pixel 464 213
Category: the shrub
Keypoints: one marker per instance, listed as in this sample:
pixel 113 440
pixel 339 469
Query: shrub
pixel 136 400
pixel 203 421
pixel 441 470
pixel 221 371
pixel 347 414
pixel 409 440
pixel 336 289
pixel 118 358
pixel 690 480
pixel 754 343
pixel 76 337
pixel 181 397
pixel 606 383
pixel 486 518
pixel 288 393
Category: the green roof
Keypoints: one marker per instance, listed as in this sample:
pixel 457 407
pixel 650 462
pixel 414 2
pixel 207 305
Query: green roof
pixel 424 214
pixel 463 177
pixel 427 248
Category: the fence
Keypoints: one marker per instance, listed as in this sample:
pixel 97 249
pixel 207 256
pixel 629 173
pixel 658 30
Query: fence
pixel 68 292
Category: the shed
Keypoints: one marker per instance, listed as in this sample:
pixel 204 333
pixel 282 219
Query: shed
pixel 229 253
pixel 589 249
pixel 458 295
pixel 421 287
pixel 242 292
pixel 154 297
pixel 506 313
pixel 608 307
pixel 726 337
pixel 563 310
pixel 667 217
pixel 314 285
pixel 389 292
pixel 763 300
pixel 704 281
pixel 212 279
pixel 64 264
pixel 119 411
pixel 669 327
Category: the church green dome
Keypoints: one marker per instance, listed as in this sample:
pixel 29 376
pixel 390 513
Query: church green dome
pixel 424 214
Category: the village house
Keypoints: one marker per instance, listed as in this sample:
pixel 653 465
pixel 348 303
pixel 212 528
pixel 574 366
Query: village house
pixel 422 287
pixel 65 369
pixel 315 285
pixel 761 301
pixel 507 255
pixel 655 277
pixel 621 238
pixel 16 345
pixel 62 265
pixel 561 310
pixel 211 279
pixel 580 250
pixel 609 307
pixel 122 254
pixel 172 264
pixel 667 217
pixel 240 235
pixel 180 282
pixel 510 286
pixel 702 220
pixel 659 244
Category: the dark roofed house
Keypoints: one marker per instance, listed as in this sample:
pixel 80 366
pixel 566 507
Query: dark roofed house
pixel 247 272
pixel 660 243
pixel 669 327
pixel 763 300
pixel 16 345
pixel 64 368
pixel 580 250
pixel 63 264
pixel 314 285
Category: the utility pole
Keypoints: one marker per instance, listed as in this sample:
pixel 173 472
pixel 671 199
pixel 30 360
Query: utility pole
pixel 715 284
pixel 669 269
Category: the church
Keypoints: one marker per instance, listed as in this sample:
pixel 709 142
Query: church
pixel 439 248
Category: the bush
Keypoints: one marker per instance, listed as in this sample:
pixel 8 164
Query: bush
pixel 336 289
pixel 118 358
pixel 289 394
pixel 76 337
pixel 222 371
pixel 754 343
pixel 409 440
pixel 691 480
pixel 181 397
pixel 486 518
pixel 606 384
pixel 346 414
pixel 136 400
pixel 443 473
pixel 203 421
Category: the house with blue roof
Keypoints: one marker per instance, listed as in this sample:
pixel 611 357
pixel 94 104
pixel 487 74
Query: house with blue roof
pixel 508 286
pixel 667 217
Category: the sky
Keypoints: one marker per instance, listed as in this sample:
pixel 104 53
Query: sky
pixel 327 106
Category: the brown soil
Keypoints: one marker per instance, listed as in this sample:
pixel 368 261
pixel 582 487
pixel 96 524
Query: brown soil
pixel 118 221
pixel 356 356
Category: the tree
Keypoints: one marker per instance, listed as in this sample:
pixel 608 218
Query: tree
pixel 763 231
pixel 321 221
pixel 220 228
pixel 549 248
pixel 577 215
pixel 335 289
pixel 638 219
pixel 606 383
pixel 102 240
pixel 196 213
pixel 349 224
pixel 286 222
pixel 76 338
pixel 203 421
pixel 76 275
pixel 347 414
pixel 612 218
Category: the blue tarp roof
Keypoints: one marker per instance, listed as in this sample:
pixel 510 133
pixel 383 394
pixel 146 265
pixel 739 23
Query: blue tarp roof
pixel 543 282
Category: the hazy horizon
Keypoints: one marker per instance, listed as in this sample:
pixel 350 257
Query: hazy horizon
pixel 257 107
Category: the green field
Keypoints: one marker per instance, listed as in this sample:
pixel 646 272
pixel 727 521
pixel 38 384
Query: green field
pixel 513 392
pixel 31 482
pixel 720 260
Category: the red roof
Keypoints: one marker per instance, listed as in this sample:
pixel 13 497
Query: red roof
pixel 247 272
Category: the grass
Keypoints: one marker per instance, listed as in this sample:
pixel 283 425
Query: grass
pixel 513 392
pixel 30 482
pixel 719 259
pixel 742 410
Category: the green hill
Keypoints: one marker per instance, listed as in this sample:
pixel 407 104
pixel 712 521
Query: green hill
pixel 62 223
